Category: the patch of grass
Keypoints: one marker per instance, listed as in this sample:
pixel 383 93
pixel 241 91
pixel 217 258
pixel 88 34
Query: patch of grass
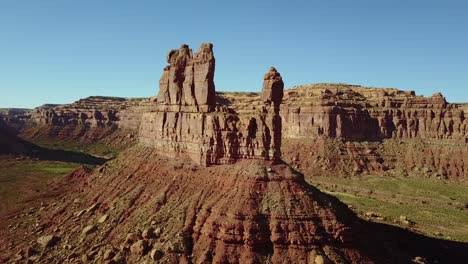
pixel 435 207
pixel 98 150
pixel 21 180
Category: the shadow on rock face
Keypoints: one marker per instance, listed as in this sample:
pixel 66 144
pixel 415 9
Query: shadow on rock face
pixel 386 243
pixel 11 144
pixel 68 156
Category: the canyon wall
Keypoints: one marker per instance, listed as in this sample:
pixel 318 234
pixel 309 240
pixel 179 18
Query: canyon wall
pixel 93 119
pixel 351 129
pixel 368 114
pixel 94 111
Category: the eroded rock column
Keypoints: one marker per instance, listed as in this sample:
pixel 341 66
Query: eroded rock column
pixel 189 78
pixel 272 95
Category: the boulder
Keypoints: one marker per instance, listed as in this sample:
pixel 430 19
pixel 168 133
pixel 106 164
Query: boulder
pixel 103 218
pixel 156 254
pixel 47 241
pixel 139 248
pixel 149 233
pixel 89 229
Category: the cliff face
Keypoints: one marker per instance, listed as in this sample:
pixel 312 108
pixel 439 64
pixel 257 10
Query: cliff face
pixel 14 119
pixel 368 114
pixel 337 129
pixel 89 120
pixel 186 121
pixel 213 137
pixel 94 111
pixel 352 129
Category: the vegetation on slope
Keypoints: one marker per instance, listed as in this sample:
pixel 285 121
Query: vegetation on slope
pixel 435 208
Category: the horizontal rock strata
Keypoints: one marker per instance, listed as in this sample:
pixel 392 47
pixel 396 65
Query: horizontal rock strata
pixel 186 121
pixel 357 113
pixel 94 111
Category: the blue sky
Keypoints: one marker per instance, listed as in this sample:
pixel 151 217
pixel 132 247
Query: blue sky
pixel 57 51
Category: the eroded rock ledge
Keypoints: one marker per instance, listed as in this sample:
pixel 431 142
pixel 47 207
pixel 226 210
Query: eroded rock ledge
pixel 187 119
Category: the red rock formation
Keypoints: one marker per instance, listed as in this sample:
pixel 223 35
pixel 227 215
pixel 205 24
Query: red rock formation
pixel 212 138
pixel 356 113
pixel 418 133
pixel 188 80
pixel 272 91
pixel 186 121
pixel 186 118
pixel 89 120
pixel 350 129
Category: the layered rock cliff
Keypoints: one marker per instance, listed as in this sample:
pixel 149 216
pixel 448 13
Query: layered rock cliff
pixel 188 121
pixel 94 119
pixel 14 119
pixel 367 114
pixel 374 130
pixel 339 129
pixel 94 111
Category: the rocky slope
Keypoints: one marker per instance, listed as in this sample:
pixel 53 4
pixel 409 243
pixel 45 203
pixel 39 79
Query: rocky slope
pixel 143 207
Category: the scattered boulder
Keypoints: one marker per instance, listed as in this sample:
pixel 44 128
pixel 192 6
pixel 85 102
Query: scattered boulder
pixel 158 231
pixel 118 258
pixel 405 221
pixel 419 260
pixel 47 241
pixel 92 207
pixel 109 254
pixel 103 218
pixel 319 259
pixel 372 214
pixel 156 254
pixel 79 213
pixel 139 248
pixel 132 238
pixel 89 229
pixel 149 233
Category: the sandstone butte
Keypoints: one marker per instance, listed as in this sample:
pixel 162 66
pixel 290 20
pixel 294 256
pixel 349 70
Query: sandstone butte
pixel 206 182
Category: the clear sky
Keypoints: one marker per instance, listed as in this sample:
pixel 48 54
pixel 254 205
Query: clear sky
pixel 57 51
